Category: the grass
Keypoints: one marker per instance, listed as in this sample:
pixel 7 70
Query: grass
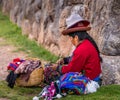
pixel 12 34
pixel 110 92
pixel 18 93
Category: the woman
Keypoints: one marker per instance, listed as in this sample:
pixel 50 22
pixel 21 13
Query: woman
pixel 80 73
pixel 86 56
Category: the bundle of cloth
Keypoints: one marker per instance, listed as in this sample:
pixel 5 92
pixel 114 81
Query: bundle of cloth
pixel 21 68
pixel 69 83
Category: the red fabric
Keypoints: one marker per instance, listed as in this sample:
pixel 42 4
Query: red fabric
pixel 14 64
pixel 85 57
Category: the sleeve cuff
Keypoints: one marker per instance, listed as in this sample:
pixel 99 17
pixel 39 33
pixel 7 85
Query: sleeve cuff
pixel 66 60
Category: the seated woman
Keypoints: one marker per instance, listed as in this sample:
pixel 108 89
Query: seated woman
pixel 80 72
pixel 86 56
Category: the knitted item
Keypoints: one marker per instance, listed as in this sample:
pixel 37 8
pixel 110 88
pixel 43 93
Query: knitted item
pixel 14 64
pixel 50 74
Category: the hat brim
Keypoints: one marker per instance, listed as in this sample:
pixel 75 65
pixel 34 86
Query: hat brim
pixel 67 31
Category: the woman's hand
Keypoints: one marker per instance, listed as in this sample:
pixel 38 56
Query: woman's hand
pixel 60 61
pixel 54 66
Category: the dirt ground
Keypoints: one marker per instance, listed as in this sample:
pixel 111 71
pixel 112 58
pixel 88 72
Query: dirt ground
pixel 7 54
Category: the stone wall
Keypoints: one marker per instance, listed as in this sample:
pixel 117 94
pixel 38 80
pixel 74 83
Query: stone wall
pixel 43 21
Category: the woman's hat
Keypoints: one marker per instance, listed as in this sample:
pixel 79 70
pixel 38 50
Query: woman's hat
pixel 73 24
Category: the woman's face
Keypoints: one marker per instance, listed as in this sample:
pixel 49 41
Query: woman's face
pixel 74 40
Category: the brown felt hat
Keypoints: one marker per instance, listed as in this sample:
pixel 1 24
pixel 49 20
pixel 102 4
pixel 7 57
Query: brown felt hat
pixel 73 24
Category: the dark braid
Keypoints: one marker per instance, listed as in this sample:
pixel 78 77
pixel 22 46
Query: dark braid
pixel 84 35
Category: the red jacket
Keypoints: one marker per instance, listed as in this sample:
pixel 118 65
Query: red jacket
pixel 85 58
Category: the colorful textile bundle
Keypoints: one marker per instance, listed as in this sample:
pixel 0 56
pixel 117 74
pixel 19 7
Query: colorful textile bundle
pixel 49 92
pixel 28 72
pixel 50 74
pixel 73 82
pixel 11 77
pixel 69 83
pixel 14 64
pixel 27 67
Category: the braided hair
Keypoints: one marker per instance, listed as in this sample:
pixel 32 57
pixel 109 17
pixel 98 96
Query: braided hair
pixel 84 35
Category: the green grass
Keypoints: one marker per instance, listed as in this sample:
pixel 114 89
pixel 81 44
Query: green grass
pixel 110 92
pixel 18 93
pixel 12 33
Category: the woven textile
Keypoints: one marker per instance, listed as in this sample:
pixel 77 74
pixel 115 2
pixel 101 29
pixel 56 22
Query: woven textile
pixel 50 74
pixel 73 82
